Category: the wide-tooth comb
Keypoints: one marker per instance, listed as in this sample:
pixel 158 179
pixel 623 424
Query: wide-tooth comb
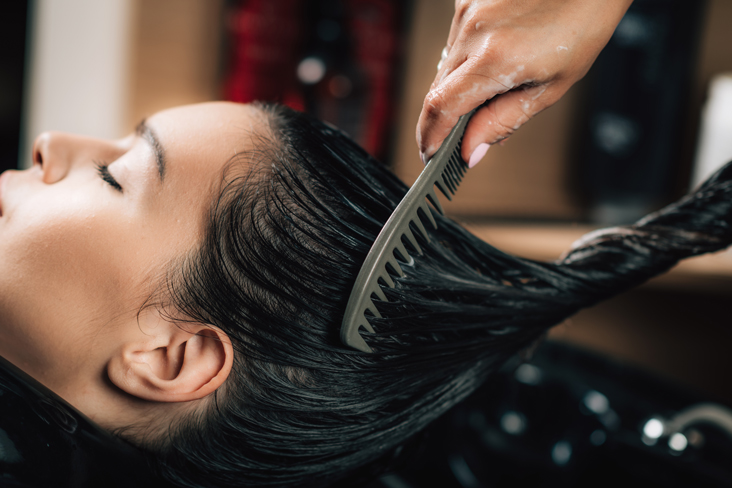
pixel 445 171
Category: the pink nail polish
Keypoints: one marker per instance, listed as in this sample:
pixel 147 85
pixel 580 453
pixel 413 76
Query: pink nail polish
pixel 478 154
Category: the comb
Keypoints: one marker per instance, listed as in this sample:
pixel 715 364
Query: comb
pixel 445 171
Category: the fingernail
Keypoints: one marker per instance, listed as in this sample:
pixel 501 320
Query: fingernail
pixel 423 156
pixel 478 154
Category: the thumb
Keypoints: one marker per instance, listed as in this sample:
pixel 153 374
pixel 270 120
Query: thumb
pixel 503 116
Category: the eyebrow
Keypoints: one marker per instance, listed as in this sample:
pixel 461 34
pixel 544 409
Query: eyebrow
pixel 145 131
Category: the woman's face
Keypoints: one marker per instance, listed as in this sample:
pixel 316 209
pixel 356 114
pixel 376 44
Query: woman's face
pixel 87 233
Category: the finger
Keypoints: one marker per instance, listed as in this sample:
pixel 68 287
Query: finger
pixel 467 33
pixel 457 35
pixel 463 9
pixel 449 62
pixel 443 57
pixel 456 26
pixel 445 67
pixel 503 116
pixel 461 92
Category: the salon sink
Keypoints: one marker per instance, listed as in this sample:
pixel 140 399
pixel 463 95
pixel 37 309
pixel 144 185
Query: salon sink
pixel 571 418
pixel 44 442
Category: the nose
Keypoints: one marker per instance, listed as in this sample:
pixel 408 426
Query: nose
pixel 58 153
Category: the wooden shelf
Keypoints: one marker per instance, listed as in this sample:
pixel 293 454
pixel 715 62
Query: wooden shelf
pixel 546 242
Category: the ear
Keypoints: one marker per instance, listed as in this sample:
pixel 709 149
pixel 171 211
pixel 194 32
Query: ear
pixel 173 363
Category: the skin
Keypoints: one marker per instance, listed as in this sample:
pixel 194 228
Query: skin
pixel 522 55
pixel 79 260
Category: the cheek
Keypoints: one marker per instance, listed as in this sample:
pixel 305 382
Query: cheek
pixel 60 240
pixel 63 265
pixel 58 286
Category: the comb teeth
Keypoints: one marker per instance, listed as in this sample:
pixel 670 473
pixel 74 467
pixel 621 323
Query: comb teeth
pixel 392 261
pixel 432 196
pixel 388 253
pixel 452 175
pixel 440 184
pixel 376 290
pixel 384 275
pixel 420 226
pixel 403 253
pixel 412 240
pixel 426 211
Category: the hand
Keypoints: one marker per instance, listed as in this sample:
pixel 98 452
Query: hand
pixel 522 55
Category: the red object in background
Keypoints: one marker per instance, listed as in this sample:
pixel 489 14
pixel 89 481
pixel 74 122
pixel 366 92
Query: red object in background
pixel 271 37
pixel 266 35
pixel 374 27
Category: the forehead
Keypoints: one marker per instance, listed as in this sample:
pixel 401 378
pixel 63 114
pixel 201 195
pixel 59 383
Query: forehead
pixel 198 141
pixel 213 131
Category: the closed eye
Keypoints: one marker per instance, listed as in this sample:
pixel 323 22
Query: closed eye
pixel 104 174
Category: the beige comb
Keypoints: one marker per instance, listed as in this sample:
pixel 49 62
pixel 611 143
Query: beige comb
pixel 445 170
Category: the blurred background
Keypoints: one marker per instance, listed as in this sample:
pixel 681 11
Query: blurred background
pixel 653 116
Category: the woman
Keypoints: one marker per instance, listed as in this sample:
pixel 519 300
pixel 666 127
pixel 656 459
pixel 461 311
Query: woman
pixel 184 288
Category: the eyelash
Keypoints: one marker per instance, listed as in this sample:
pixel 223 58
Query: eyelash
pixel 104 174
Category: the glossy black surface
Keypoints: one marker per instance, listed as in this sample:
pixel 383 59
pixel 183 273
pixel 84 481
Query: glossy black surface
pixel 569 419
pixel 44 442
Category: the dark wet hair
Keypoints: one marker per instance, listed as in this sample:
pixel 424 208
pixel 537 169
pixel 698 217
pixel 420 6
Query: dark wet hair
pixel 284 244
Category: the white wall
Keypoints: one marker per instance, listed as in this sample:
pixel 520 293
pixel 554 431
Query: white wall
pixel 78 70
pixel 715 136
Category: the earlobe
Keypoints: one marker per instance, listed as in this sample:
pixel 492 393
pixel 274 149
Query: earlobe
pixel 174 364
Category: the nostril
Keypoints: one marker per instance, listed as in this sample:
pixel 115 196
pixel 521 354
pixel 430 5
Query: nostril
pixel 40 145
pixel 37 157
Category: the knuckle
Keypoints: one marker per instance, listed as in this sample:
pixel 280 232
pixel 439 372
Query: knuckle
pixel 473 21
pixel 475 17
pixel 526 109
pixel 462 7
pixel 544 98
pixel 433 104
pixel 487 55
pixel 503 130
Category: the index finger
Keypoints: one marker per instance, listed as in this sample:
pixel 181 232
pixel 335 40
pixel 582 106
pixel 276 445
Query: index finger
pixel 460 92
